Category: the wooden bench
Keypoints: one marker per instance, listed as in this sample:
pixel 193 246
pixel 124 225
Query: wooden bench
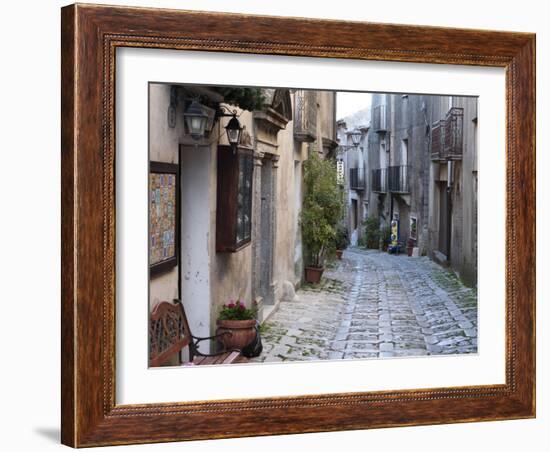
pixel 169 333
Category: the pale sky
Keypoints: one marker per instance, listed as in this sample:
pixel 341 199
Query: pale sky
pixel 348 103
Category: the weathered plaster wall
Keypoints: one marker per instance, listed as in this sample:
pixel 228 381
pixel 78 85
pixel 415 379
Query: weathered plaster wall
pixel 356 158
pixel 410 132
pixel 326 101
pixel 163 147
pixel 464 242
pixel 230 273
pixel 285 207
pixel 379 203
pixel 197 194
pixel 464 192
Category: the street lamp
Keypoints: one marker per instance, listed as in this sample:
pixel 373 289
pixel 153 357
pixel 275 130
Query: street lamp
pixel 196 120
pixel 356 137
pixel 234 131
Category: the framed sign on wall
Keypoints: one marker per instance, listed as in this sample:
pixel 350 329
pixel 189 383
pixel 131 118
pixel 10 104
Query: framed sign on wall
pixel 164 216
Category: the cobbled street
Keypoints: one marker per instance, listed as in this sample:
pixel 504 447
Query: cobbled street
pixel 374 305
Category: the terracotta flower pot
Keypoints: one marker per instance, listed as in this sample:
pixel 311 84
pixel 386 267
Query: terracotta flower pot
pixel 313 274
pixel 242 332
pixel 339 254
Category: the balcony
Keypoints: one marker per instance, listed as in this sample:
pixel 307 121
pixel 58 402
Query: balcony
pixel 447 136
pixel 357 179
pixel 398 179
pixel 305 116
pixel 454 133
pixel 438 141
pixel 379 180
pixel 379 119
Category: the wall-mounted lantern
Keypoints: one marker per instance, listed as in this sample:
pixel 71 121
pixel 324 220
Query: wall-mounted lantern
pixel 195 119
pixel 356 137
pixel 200 119
pixel 234 131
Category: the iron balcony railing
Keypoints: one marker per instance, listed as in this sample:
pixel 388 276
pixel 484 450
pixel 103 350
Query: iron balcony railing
pixel 357 178
pixel 447 136
pixel 379 119
pixel 305 116
pixel 398 179
pixel 438 141
pixel 454 133
pixel 379 180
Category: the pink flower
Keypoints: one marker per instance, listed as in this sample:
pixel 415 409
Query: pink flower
pixel 231 305
pixel 242 307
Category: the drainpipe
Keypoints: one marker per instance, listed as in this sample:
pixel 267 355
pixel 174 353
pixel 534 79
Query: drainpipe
pixel 449 206
pixel 388 146
pixel 449 175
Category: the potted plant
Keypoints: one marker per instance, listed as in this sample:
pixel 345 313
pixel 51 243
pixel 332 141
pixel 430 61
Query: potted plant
pixel 236 325
pixel 321 211
pixel 341 240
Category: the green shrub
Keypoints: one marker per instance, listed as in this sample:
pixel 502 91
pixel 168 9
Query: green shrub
pixel 245 98
pixel 372 232
pixel 321 210
pixel 341 240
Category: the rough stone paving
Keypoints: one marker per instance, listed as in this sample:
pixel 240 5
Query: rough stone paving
pixel 374 305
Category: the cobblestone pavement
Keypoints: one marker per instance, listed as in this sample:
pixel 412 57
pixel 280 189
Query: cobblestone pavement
pixel 374 305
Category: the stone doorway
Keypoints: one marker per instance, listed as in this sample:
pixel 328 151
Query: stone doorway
pixel 266 287
pixel 444 220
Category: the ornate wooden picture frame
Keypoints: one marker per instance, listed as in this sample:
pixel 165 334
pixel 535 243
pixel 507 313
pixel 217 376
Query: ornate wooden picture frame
pixel 90 37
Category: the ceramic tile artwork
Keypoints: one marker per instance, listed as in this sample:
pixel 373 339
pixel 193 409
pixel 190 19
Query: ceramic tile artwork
pixel 162 219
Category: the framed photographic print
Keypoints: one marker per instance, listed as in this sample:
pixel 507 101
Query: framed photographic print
pixel 281 225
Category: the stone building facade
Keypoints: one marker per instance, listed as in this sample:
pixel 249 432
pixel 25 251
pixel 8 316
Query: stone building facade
pixel 453 186
pixel 353 160
pixel 278 137
pixel 416 163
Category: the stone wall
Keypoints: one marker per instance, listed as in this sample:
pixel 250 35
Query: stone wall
pixel 163 147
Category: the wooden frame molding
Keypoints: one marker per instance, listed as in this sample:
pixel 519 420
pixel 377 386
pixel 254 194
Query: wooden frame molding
pixel 90 37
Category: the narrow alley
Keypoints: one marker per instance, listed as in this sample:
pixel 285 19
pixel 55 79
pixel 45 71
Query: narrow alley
pixel 374 305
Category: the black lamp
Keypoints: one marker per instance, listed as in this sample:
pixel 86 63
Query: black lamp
pixel 234 131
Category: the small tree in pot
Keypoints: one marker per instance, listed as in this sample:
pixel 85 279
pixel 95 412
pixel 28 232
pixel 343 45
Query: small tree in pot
pixel 321 211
